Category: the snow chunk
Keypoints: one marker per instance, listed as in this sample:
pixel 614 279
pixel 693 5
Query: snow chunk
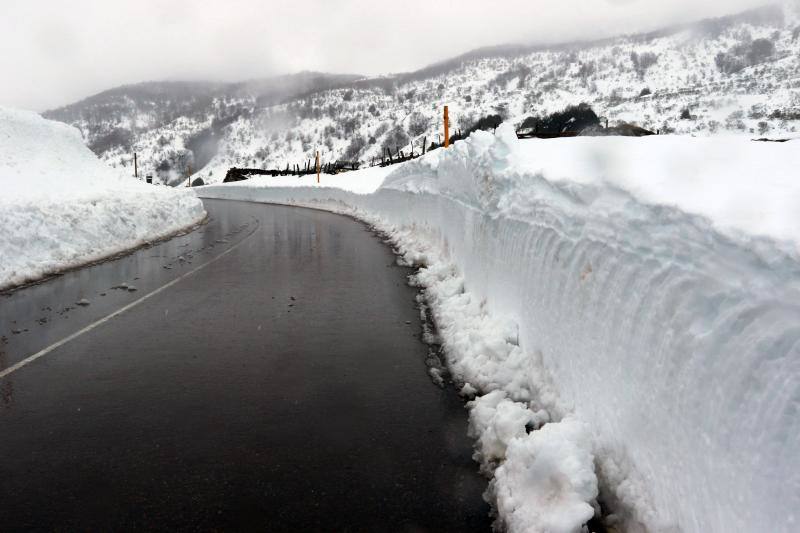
pixel 494 421
pixel 547 483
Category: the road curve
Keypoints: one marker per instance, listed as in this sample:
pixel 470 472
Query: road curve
pixel 264 372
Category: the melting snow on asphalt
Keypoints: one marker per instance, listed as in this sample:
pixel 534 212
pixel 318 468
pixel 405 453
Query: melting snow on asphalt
pixel 626 313
pixel 61 207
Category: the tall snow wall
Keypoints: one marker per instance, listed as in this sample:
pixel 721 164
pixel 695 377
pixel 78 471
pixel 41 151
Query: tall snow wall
pixel 674 339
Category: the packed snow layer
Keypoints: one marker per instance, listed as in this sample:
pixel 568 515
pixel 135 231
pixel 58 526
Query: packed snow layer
pixel 61 207
pixel 638 297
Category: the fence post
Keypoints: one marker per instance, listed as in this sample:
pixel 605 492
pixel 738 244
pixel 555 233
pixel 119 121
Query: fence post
pixel 446 127
pixel 135 166
pixel 424 144
pixel 317 166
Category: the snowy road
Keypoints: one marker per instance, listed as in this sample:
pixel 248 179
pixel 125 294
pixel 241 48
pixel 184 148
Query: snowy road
pixel 265 373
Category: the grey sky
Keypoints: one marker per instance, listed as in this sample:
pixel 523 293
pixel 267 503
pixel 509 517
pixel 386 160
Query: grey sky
pixel 55 51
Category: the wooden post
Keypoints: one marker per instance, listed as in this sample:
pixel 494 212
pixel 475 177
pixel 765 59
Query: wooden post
pixel 317 166
pixel 135 166
pixel 446 127
pixel 424 144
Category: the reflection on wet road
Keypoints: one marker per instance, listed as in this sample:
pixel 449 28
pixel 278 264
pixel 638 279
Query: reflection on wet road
pixel 281 387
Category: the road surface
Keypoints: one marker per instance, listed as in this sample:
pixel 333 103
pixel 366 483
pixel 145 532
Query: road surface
pixel 264 372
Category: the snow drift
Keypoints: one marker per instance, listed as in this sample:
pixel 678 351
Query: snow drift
pixel 628 311
pixel 61 207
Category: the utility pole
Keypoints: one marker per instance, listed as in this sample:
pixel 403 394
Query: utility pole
pixel 446 127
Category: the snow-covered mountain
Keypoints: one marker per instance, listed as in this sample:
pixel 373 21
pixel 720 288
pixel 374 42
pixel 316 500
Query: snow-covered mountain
pixel 738 75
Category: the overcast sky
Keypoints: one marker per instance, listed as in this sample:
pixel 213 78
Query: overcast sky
pixel 55 52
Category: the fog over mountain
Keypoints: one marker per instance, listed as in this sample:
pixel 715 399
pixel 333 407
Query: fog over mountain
pixel 64 51
pixel 735 74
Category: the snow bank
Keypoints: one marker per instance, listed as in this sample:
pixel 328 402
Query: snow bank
pixel 61 207
pixel 635 303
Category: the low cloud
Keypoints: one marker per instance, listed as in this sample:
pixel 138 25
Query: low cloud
pixel 56 52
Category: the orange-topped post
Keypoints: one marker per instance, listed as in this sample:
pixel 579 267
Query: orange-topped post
pixel 446 128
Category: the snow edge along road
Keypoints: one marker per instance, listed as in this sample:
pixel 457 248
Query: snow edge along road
pixel 41 353
pixel 111 256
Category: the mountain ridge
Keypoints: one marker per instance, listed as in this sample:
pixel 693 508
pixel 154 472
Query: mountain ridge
pixel 731 74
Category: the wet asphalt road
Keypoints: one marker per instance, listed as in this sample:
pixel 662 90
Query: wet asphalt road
pixel 282 387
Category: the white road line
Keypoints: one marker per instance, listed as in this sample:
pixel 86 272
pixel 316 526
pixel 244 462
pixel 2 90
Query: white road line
pixel 28 360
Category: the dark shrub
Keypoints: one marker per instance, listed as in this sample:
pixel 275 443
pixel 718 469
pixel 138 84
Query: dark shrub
pixel 728 63
pixel 642 62
pixel 520 72
pixel 417 124
pixel 116 137
pixel 354 149
pixel 761 50
pixel 745 55
pixel 489 122
pixel 395 140
pixel 574 118
pixel 587 69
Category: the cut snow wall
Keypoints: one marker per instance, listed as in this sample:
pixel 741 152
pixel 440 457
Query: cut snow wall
pixel 677 345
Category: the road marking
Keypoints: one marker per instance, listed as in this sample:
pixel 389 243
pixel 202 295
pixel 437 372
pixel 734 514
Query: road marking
pixel 28 360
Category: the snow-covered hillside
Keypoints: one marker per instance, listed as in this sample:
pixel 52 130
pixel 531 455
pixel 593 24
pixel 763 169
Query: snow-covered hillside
pixel 61 206
pixel 738 75
pixel 626 312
